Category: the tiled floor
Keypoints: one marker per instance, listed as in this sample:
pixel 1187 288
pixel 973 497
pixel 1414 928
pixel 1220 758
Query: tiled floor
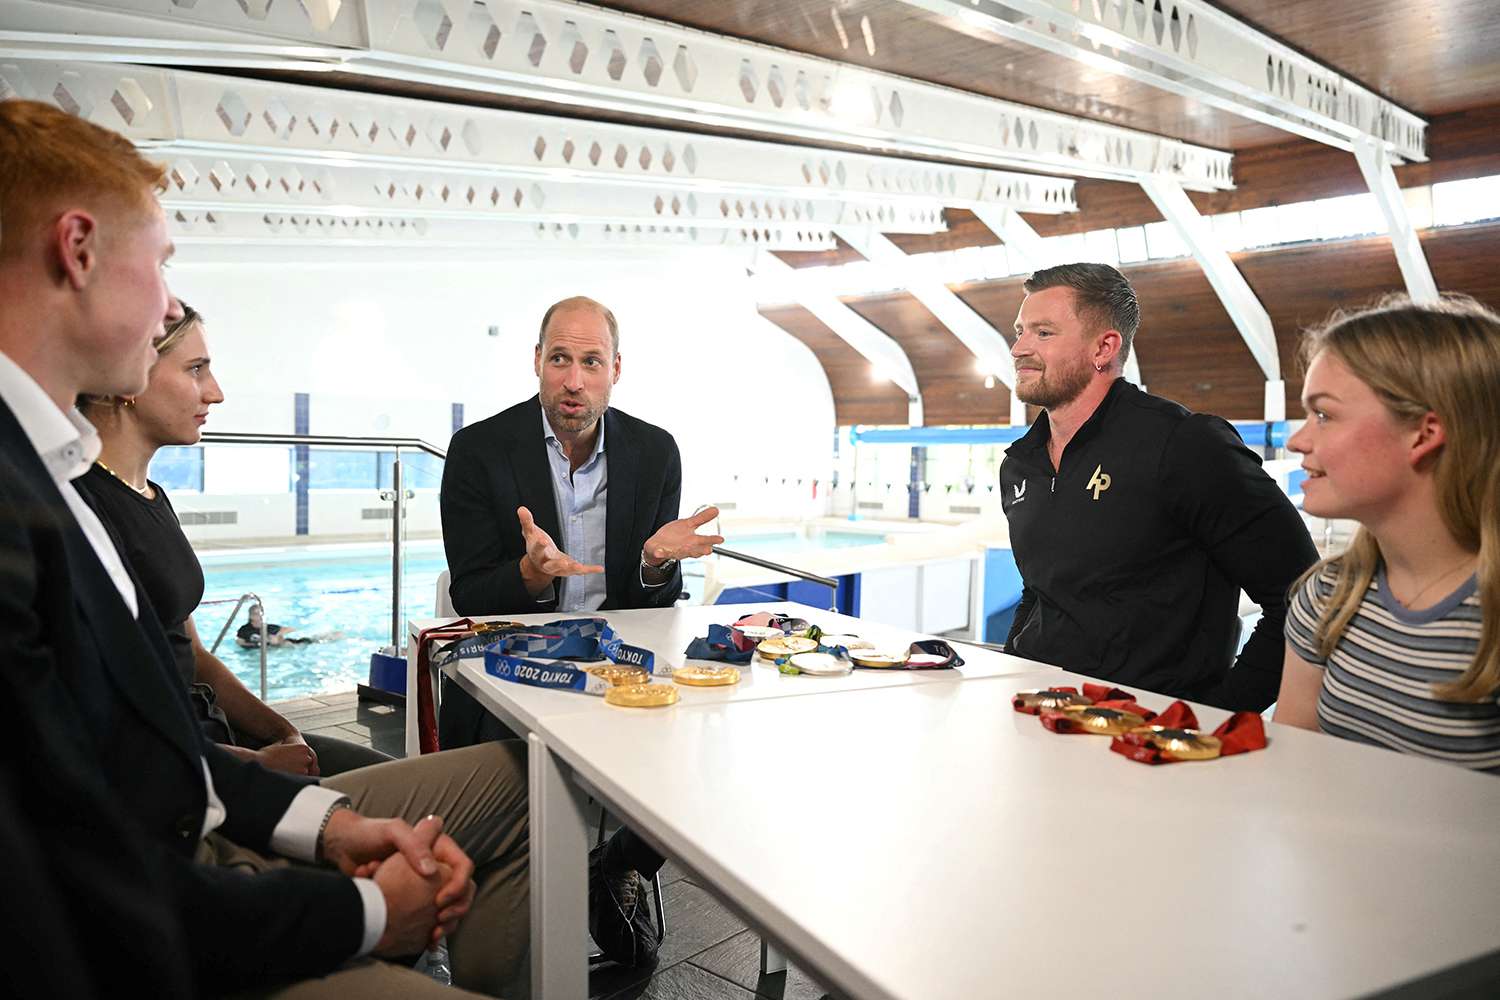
pixel 708 953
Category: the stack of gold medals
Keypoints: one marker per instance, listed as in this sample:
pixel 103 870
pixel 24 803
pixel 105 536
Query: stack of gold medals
pixel 1137 732
pixel 631 687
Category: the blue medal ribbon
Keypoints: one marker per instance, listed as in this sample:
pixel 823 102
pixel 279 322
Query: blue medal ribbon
pixel 586 639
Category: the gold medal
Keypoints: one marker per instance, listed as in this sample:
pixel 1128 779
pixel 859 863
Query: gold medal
pixel 1036 701
pixel 871 658
pixel 1181 744
pixel 641 695
pixel 847 641
pixel 615 674
pixel 818 664
pixel 789 645
pixel 1103 721
pixel 482 627
pixel 706 676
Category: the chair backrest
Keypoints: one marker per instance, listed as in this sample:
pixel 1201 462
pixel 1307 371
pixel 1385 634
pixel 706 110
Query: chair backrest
pixel 444 604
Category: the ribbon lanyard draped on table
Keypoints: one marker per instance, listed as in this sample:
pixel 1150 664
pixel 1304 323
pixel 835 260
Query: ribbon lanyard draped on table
pixel 508 655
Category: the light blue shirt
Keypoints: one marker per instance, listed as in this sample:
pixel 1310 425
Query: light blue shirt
pixel 581 506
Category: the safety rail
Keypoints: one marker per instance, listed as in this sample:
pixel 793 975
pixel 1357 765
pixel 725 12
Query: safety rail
pixel 255 602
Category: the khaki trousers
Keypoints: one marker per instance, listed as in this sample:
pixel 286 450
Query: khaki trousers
pixel 480 792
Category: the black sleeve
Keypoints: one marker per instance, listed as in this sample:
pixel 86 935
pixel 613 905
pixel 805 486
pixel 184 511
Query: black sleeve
pixel 641 596
pixel 482 538
pixel 1023 613
pixel 255 798
pixel 1253 535
pixel 252 930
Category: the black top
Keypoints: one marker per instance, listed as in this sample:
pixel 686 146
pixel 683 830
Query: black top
pixel 1134 552
pixel 151 541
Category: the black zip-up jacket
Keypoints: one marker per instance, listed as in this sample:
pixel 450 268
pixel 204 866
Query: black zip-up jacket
pixel 1134 552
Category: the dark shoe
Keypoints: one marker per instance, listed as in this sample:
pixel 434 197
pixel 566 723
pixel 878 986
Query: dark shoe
pixel 619 916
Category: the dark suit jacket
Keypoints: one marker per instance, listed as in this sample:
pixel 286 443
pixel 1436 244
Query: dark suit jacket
pixel 500 463
pixel 111 724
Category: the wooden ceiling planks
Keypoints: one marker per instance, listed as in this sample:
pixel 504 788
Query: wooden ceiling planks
pixel 1188 348
pixel 857 399
pixel 953 390
pixel 1432 57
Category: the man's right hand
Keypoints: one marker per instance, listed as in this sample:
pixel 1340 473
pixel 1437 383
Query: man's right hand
pixel 544 561
pixel 411 907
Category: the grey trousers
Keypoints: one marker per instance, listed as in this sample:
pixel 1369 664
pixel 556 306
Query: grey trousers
pixel 481 794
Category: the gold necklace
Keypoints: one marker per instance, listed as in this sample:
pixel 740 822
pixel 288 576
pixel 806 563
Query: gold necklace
pixel 144 491
pixel 1431 583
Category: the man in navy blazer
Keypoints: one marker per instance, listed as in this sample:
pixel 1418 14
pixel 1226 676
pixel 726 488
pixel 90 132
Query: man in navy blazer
pixel 563 503
pixel 197 841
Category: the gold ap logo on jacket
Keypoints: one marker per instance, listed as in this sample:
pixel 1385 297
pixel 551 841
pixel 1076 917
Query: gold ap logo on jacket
pixel 1098 482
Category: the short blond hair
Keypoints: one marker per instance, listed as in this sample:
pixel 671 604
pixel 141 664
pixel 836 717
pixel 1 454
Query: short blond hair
pixel 51 161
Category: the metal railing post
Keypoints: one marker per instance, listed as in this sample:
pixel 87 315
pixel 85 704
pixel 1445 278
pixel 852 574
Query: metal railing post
pixel 398 515
pixel 827 581
pixel 255 601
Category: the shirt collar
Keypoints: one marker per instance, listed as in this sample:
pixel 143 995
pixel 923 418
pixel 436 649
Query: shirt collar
pixel 66 442
pixel 550 436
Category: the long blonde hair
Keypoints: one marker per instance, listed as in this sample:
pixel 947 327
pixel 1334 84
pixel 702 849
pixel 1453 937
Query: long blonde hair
pixel 1442 358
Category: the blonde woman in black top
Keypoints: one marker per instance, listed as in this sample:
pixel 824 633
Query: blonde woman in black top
pixel 139 515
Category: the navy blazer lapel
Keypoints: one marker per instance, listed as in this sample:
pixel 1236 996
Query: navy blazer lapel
pixel 619 515
pixel 528 460
pixel 140 668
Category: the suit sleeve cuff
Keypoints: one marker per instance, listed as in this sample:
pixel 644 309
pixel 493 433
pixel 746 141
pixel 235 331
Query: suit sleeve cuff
pixel 373 901
pixel 296 836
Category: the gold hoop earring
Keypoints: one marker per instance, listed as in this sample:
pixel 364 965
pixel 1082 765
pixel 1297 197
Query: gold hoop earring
pixel 127 400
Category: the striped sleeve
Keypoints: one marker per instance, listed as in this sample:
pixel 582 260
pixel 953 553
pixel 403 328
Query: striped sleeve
pixel 1302 616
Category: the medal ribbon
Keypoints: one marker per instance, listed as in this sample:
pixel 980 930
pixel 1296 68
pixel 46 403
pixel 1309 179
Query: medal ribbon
pixel 427 731
pixel 586 639
pixel 1242 732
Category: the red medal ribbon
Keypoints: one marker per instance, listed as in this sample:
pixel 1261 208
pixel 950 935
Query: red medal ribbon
pixel 1242 732
pixel 427 731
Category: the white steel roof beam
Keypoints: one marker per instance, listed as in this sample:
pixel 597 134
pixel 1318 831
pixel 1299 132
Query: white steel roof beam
pixel 1191 48
pixel 1375 164
pixel 1245 310
pixel 877 347
pixel 986 343
pixel 604 60
pixel 175 111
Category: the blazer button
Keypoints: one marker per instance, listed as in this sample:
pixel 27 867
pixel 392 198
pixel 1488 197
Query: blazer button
pixel 186 827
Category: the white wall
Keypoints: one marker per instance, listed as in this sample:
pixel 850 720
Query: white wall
pixel 386 346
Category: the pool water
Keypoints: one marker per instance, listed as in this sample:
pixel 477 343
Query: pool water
pixel 343 599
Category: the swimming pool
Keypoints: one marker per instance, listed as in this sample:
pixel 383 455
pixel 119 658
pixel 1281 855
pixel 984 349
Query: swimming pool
pixel 342 595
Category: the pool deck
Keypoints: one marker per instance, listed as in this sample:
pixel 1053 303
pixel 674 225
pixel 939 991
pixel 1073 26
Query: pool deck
pixel 708 954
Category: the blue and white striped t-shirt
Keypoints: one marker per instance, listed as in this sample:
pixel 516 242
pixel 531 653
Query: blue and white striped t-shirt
pixel 1378 681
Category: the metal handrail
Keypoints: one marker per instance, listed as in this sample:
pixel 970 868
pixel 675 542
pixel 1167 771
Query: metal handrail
pixel 827 581
pixel 322 440
pixel 256 602
pixel 396 496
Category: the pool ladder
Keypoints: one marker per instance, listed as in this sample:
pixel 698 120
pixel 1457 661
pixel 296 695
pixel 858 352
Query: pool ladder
pixel 240 602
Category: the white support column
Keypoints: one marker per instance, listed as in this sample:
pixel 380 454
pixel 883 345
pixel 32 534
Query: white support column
pixel 1245 310
pixel 859 333
pixel 974 331
pixel 1375 164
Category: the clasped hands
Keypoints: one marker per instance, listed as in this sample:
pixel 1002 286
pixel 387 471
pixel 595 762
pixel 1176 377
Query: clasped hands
pixel 544 561
pixel 425 877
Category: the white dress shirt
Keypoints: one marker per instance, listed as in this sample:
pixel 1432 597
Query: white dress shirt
pixel 68 445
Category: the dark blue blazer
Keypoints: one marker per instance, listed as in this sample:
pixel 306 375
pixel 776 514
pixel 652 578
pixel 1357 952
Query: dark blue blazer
pixel 106 726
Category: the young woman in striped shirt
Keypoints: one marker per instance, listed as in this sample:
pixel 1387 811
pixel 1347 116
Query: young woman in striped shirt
pixel 1396 641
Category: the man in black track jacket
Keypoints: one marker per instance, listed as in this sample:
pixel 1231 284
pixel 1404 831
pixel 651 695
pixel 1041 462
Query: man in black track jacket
pixel 1135 522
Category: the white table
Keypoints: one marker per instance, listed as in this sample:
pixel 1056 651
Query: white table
pixel 557 804
pixel 667 632
pixel 926 841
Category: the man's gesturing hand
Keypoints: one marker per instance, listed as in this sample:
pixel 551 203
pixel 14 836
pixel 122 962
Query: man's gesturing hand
pixel 544 560
pixel 680 539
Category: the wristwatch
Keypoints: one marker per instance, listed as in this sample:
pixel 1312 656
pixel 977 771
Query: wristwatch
pixel 665 568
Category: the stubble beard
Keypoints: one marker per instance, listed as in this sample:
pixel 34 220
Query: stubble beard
pixel 1056 387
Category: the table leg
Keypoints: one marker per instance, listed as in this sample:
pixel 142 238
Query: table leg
pixel 559 878
pixel 771 958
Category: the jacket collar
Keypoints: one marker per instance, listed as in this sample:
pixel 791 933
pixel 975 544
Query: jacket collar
pixel 1034 441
